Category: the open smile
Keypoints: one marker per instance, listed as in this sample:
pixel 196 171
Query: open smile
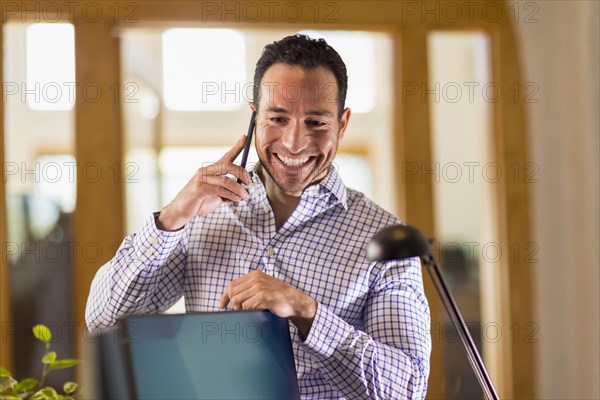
pixel 294 162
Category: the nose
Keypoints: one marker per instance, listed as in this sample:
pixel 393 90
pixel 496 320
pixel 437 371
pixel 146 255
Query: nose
pixel 295 139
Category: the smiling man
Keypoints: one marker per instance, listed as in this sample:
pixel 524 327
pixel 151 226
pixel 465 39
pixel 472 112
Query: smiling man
pixel 291 238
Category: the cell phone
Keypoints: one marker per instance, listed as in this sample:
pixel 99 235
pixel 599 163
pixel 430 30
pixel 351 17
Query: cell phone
pixel 248 142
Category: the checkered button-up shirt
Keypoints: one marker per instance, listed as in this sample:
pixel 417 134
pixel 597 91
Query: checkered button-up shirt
pixel 370 337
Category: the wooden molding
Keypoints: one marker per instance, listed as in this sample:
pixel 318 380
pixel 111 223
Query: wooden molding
pixel 99 213
pixel 5 303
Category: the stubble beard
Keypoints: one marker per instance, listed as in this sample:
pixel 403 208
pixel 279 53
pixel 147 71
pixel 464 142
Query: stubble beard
pixel 322 172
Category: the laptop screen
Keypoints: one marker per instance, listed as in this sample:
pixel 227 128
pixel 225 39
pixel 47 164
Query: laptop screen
pixel 222 355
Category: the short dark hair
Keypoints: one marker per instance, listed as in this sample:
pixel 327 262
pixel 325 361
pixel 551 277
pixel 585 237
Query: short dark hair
pixel 307 53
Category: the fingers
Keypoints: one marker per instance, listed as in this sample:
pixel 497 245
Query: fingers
pixel 240 300
pixel 235 151
pixel 213 180
pixel 224 300
pixel 240 290
pixel 225 188
pixel 249 300
pixel 223 168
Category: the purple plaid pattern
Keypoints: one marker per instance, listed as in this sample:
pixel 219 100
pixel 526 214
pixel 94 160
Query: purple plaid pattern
pixel 370 338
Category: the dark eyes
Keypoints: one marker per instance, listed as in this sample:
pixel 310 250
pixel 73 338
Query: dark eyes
pixel 312 123
pixel 315 123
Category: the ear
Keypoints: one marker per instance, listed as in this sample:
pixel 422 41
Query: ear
pixel 252 106
pixel 344 123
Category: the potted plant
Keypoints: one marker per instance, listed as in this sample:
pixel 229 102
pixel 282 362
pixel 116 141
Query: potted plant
pixel 33 389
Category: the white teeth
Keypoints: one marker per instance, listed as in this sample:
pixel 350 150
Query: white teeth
pixel 293 162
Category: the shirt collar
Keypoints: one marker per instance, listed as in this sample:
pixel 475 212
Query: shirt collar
pixel 332 184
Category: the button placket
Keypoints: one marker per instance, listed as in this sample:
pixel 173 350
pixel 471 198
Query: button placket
pixel 270 254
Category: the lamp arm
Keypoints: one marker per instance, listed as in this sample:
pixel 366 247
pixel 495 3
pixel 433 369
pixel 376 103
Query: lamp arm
pixel 452 309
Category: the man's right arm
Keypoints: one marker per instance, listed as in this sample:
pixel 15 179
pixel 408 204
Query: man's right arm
pixel 145 276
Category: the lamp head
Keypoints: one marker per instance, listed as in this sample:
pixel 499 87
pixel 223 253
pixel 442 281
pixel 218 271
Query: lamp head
pixel 397 242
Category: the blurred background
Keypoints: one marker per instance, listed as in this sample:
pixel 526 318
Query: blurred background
pixel 477 122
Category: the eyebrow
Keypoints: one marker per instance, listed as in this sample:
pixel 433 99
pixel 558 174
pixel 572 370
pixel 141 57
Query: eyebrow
pixel 319 112
pixel 278 110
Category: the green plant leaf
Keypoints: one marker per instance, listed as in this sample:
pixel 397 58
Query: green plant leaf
pixel 25 385
pixel 62 364
pixel 41 332
pixel 49 358
pixel 70 387
pixel 4 372
pixel 47 393
pixel 39 396
pixel 7 385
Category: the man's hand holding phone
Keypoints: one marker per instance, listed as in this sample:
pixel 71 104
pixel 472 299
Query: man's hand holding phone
pixel 207 190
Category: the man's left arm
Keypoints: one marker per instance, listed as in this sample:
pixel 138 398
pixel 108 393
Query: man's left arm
pixel 389 358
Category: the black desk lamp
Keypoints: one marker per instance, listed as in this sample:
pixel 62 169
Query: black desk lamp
pixel 399 242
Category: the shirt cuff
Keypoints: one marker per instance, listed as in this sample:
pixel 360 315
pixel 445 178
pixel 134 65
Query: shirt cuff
pixel 327 333
pixel 154 246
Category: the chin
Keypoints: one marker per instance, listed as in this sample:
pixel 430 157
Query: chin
pixel 294 179
pixel 291 184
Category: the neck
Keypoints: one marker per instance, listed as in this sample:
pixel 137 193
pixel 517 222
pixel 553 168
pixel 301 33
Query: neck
pixel 282 203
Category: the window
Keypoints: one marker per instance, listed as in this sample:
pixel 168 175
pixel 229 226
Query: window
pixel 50 67
pixel 57 180
pixel 196 80
pixel 357 49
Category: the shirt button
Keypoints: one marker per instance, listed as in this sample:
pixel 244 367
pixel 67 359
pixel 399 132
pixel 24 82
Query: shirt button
pixel 270 251
pixel 149 252
pixel 153 240
pixel 266 208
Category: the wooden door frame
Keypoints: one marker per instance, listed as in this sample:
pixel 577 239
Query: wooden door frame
pixel 6 356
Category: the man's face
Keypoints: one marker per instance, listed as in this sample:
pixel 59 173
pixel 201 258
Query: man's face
pixel 297 128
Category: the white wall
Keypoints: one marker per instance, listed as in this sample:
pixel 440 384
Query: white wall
pixel 560 54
